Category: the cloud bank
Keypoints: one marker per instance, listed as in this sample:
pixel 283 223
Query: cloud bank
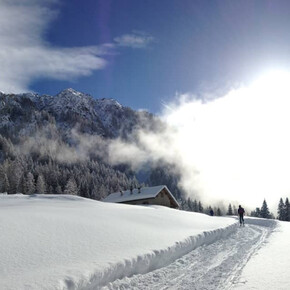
pixel 232 148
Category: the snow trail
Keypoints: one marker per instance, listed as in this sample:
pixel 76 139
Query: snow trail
pixel 214 266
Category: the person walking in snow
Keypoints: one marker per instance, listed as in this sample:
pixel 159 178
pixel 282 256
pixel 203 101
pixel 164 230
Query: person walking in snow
pixel 241 213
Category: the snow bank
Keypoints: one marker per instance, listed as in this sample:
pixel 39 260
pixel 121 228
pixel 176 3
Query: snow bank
pixel 68 242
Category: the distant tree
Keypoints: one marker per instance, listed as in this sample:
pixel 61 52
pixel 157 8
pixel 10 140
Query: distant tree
pixel 50 190
pixel 195 206
pixel 287 210
pixel 95 195
pixel 200 207
pixel 256 212
pixel 6 184
pixel 14 174
pixel 219 212
pixel 265 213
pixel 71 187
pixel 29 184
pixel 230 210
pixel 103 192
pixel 189 204
pixel 58 189
pixel 40 185
pixel 281 210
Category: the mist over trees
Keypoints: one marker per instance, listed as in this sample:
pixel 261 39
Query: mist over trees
pixel 57 145
pixel 45 146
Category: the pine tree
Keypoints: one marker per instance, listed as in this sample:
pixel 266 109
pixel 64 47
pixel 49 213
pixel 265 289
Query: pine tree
pixel 265 213
pixel 281 210
pixel 200 207
pixel 58 189
pixel 256 212
pixel 230 211
pixel 190 204
pixel 219 212
pixel 6 184
pixel 15 173
pixel 287 210
pixel 71 187
pixel 195 206
pixel 29 184
pixel 40 185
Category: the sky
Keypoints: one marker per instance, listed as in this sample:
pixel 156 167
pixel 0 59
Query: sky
pixel 141 53
pixel 217 72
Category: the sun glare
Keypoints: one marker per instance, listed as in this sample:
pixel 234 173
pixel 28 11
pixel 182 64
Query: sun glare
pixel 276 81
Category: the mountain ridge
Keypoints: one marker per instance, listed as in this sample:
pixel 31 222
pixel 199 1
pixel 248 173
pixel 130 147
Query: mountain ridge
pixel 104 117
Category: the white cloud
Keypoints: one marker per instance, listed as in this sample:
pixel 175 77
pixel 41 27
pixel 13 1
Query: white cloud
pixel 232 148
pixel 136 39
pixel 25 56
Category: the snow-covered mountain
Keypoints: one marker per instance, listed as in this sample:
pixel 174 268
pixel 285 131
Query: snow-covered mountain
pixel 69 108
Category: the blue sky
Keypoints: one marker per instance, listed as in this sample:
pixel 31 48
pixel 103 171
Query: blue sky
pixel 140 52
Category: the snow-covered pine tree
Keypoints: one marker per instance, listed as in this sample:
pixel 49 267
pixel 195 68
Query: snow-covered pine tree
pixel 281 210
pixel 29 184
pixel 265 213
pixel 14 174
pixel 4 180
pixel 71 187
pixel 40 185
pixel 6 184
pixel 287 210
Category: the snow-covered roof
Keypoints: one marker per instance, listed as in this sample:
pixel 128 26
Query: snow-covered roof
pixel 145 193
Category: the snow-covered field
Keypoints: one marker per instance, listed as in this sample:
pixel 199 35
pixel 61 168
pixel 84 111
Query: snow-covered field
pixel 68 242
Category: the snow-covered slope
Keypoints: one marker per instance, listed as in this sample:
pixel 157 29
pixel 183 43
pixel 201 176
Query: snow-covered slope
pixel 67 242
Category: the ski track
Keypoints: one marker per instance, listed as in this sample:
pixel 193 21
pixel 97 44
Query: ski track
pixel 208 267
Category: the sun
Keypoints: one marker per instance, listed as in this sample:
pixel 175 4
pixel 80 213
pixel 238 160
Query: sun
pixel 273 82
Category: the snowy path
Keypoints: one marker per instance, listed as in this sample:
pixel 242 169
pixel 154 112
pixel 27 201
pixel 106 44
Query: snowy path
pixel 214 266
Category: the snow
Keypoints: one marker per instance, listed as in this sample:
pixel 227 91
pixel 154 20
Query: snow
pixel 213 266
pixel 68 242
pixel 269 268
